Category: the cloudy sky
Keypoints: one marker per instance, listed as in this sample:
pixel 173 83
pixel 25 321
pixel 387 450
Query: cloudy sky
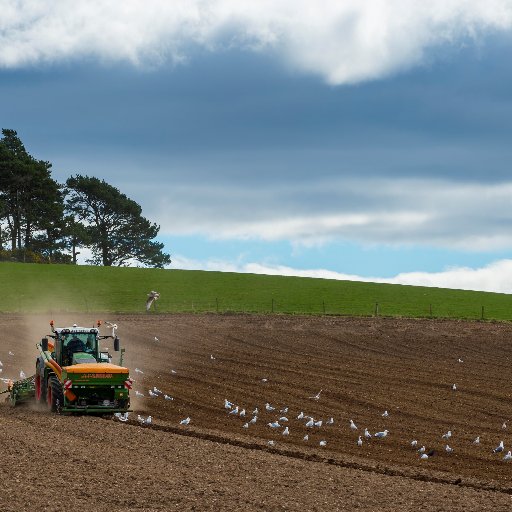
pixel 342 139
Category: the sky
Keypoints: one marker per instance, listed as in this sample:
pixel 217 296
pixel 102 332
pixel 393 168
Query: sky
pixel 365 140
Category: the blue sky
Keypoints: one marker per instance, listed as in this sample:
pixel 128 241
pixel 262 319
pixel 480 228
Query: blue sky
pixel 348 140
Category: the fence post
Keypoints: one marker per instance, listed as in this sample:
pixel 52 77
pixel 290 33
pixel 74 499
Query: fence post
pixel 376 309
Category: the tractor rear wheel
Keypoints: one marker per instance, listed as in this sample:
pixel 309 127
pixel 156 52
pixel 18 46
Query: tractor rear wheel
pixel 54 394
pixel 40 387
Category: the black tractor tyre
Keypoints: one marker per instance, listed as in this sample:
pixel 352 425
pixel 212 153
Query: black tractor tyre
pixel 55 395
pixel 40 386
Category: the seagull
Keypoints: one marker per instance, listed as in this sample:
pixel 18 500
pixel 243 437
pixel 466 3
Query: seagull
pixel 167 397
pixel 122 417
pixel 353 425
pixel 447 435
pixel 174 372
pixel 422 449
pixel 286 432
pixel 242 413
pixel 477 440
pixel 246 425
pixel 152 395
pixel 234 411
pixel 310 423
pixel 271 443
pixel 22 375
pixel 140 419
pixel 330 421
pixel 460 360
pixel 274 424
pixel 499 448
pixel 186 421
pixel 359 441
pixel 448 449
pixel 323 443
pixel 268 407
pixel 11 353
pixel 1 364
pixel 385 414
pixel 149 420
pixel 284 411
pixel 227 404
pixel 454 387
pixel 137 370
pixel 264 380
pixel 211 357
pixel 380 435
pixel 284 419
pixel 157 391
pixel 316 397
pixel 156 339
pixel 504 426
pixel 318 423
pixel 152 297
pixel 414 443
pixel 424 456
pixel 139 394
pixel 367 434
pixel 300 416
pixel 305 438
pixel 113 327
pixel 253 420
pixel 508 456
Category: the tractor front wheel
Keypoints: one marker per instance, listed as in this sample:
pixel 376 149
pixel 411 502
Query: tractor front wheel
pixel 54 394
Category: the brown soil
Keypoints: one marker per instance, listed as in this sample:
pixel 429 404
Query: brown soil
pixel 362 366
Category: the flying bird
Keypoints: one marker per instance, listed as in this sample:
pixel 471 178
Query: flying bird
pixel 152 298
pixel 112 326
pixel 316 397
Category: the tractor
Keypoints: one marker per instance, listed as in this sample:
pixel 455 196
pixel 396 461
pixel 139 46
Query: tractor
pixel 75 375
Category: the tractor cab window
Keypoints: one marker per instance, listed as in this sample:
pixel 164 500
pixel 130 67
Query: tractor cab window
pixel 73 343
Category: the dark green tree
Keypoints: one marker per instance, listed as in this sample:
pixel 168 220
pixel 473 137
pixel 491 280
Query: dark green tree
pixel 31 202
pixel 114 223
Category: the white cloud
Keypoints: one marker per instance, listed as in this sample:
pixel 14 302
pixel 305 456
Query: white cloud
pixel 343 41
pixel 495 277
pixel 435 213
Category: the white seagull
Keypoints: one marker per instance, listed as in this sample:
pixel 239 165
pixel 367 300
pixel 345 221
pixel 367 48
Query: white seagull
pixel 268 407
pixel 167 397
pixel 477 440
pixel 286 432
pixel 508 456
pixel 359 441
pixel 186 421
pixel 385 414
pixel 316 397
pixel 323 443
pixel 305 438
pixel 414 443
pixel 138 370
pixel 380 435
pixel 499 448
pixel 300 416
pixel 310 423
pixel 353 425
pixel 454 387
pixel 152 394
pixel 367 434
pixel 274 424
pixel 112 326
pixel 139 394
pixel 22 375
pixel 448 449
pixel 447 435
pixel 152 297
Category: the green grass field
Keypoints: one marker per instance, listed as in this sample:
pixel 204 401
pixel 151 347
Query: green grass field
pixel 30 288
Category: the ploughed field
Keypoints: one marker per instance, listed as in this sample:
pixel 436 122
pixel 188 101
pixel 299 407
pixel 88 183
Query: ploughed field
pixel 362 366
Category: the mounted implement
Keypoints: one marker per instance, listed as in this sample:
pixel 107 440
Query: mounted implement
pixel 73 374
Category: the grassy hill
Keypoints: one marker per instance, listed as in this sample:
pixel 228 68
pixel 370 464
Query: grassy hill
pixel 66 288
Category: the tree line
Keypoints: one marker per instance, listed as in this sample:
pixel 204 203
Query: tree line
pixel 42 220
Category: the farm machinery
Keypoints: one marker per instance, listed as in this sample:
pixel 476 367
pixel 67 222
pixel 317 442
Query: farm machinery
pixel 74 375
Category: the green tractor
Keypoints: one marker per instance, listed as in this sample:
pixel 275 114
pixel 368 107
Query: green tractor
pixel 75 375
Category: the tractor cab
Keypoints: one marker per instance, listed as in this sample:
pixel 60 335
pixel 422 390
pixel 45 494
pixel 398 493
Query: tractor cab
pixel 79 345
